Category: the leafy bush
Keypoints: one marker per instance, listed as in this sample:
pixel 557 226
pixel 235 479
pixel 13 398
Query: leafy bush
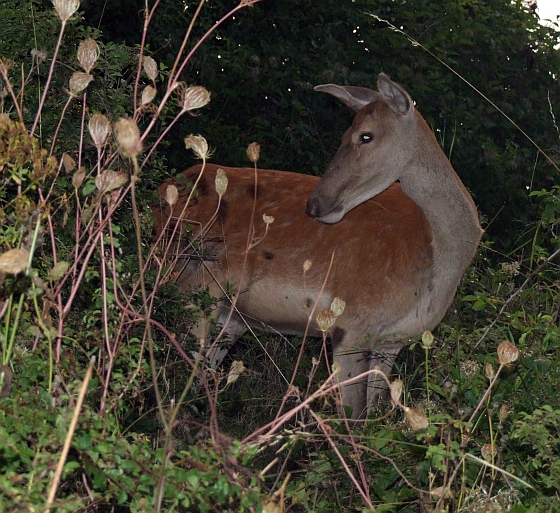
pixel 103 404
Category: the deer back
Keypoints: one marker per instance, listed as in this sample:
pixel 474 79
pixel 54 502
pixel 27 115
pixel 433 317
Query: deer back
pixel 381 250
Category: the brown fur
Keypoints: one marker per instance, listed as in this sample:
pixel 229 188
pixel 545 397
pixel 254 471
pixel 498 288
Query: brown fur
pixel 396 263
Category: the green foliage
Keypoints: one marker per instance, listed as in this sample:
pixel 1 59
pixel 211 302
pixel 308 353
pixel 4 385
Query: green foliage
pixel 536 435
pixel 154 433
pixel 122 469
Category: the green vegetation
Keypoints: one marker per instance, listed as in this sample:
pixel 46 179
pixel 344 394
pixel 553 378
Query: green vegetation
pixel 103 405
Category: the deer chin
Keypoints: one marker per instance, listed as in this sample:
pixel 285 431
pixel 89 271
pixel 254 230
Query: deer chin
pixel 334 216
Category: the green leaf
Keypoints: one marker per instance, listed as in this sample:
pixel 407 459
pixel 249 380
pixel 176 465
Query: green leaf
pixel 89 187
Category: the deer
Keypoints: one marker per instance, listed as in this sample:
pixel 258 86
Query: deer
pixel 389 229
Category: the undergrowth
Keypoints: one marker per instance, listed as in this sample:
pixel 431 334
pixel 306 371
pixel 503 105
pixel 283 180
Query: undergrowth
pixel 105 404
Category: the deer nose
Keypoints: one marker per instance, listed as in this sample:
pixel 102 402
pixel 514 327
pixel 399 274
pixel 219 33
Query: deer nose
pixel 312 207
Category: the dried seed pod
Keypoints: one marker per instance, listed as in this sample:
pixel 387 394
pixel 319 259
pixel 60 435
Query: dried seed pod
pixel 253 152
pixel 507 353
pixel 237 368
pixel 148 94
pixel 99 129
pixel 110 180
pixel 442 491
pixel 325 320
pixel 489 371
pixel 79 81
pixel 489 451
pixel 427 339
pixel 150 67
pixel 128 137
pixel 68 162
pixel 338 306
pixel 194 97
pixel 417 421
pixel 396 388
pixel 78 177
pixel 39 55
pixel 221 182
pixel 66 8
pixel 14 261
pixel 268 219
pixel 198 144
pixel 503 413
pixel 307 265
pixel 171 195
pixel 88 53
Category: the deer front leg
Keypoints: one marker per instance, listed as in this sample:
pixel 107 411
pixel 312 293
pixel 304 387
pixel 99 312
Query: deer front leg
pixel 382 358
pixel 352 362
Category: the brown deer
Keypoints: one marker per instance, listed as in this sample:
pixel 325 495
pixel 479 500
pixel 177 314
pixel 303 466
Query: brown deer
pixel 390 208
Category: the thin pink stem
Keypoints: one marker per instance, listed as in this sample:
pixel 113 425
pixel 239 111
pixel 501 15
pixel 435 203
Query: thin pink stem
pixel 49 78
pixel 147 21
pixel 364 492
pixel 65 108
pixel 185 62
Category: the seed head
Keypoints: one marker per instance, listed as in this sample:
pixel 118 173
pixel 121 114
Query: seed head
pixel 99 129
pixel 66 8
pixel 194 97
pixel 417 421
pixel 150 67
pixel 489 451
pixel 489 371
pixel 79 81
pixel 14 261
pixel 110 180
pixel 338 306
pixel 78 177
pixel 128 137
pixel 221 182
pixel 503 413
pixel 507 353
pixel 307 265
pixel 396 388
pixel 237 368
pixel 148 94
pixel 199 145
pixel 88 53
pixel 325 320
pixel 40 55
pixel 427 339
pixel 268 219
pixel 171 195
pixel 253 152
pixel 68 162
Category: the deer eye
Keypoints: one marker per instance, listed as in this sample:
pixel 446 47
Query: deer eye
pixel 366 137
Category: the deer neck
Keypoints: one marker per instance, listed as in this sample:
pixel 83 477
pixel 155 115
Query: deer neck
pixel 432 183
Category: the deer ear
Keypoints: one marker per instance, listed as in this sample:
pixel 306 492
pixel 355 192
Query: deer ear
pixel 353 97
pixel 395 96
